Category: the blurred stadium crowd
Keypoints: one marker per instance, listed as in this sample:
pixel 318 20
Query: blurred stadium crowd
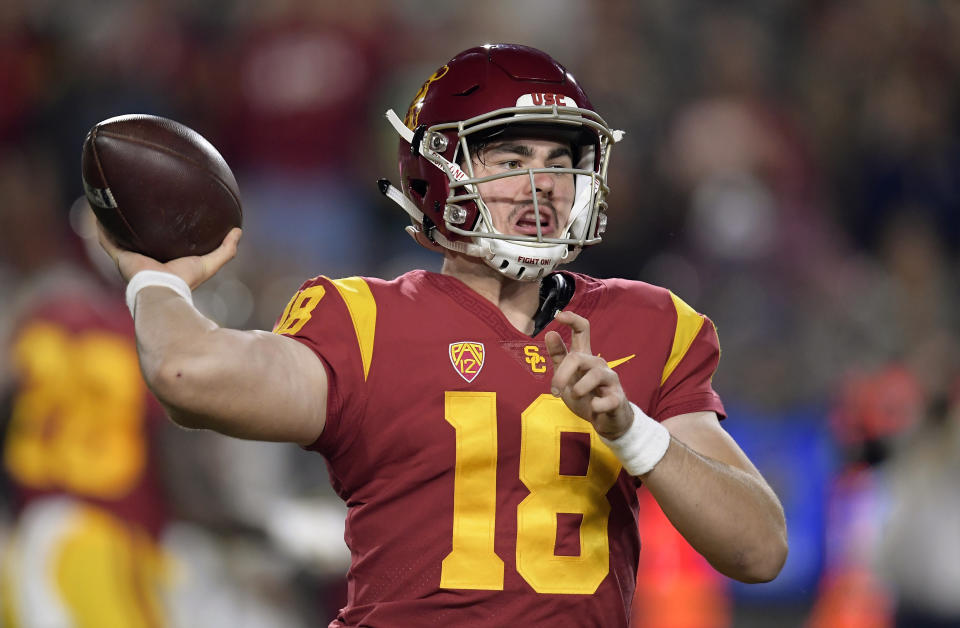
pixel 791 168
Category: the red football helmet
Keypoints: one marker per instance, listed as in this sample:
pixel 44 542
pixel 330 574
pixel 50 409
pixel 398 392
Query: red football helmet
pixel 505 89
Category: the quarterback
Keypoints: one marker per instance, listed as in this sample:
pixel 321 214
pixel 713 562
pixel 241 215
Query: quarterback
pixel 488 425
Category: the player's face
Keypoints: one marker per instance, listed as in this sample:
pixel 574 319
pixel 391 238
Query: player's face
pixel 510 199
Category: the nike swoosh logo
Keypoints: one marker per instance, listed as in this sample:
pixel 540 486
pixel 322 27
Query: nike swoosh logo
pixel 617 363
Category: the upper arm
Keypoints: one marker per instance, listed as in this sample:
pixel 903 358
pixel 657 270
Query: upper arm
pixel 249 384
pixel 686 382
pixel 702 432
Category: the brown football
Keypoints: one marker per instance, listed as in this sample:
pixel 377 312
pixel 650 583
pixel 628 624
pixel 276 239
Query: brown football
pixel 158 187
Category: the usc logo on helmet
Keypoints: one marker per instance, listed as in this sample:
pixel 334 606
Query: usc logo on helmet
pixel 545 99
pixel 412 119
pixel 548 99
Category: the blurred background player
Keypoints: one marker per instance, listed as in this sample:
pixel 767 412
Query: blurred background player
pixel 80 432
pixel 112 516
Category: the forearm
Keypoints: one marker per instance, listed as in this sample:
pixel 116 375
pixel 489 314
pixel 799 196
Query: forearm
pixel 727 514
pixel 167 326
pixel 172 340
pixel 716 498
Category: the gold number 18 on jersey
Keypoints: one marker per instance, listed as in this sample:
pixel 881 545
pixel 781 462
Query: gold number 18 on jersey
pixel 473 563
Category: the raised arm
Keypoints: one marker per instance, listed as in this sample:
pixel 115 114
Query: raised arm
pixel 700 477
pixel 248 384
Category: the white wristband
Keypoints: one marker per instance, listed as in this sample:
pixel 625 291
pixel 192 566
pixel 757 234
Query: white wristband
pixel 147 278
pixel 642 446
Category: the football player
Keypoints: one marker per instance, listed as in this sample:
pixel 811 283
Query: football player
pixel 80 451
pixel 486 425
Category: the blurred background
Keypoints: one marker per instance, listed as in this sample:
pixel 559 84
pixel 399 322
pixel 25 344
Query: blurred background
pixel 791 169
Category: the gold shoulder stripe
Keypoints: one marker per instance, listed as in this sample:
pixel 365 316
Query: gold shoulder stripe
pixel 689 323
pixel 363 312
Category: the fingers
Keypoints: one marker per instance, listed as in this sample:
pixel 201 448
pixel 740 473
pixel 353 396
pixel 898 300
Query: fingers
pixel 607 404
pixel 109 247
pixel 567 365
pixel 196 270
pixel 580 328
pixel 104 238
pixel 193 270
pixel 588 386
pixel 128 263
pixel 573 368
pixel 555 347
pixel 598 376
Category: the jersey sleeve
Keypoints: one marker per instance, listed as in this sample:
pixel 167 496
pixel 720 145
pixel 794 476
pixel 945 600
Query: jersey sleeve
pixel 336 320
pixel 686 381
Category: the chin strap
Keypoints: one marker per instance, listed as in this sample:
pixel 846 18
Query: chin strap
pixel 399 126
pixel 390 191
pixel 398 197
pixel 394 194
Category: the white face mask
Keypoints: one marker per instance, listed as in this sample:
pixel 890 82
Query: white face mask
pixel 524 257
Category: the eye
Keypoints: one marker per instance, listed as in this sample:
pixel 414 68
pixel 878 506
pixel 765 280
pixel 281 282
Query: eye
pixel 510 164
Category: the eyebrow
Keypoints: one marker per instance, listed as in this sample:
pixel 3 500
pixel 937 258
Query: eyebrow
pixel 524 150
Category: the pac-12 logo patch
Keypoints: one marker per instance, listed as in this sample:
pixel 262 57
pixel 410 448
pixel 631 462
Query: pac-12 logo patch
pixel 467 358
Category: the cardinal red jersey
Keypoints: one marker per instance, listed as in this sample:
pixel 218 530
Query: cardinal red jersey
pixel 475 497
pixel 82 421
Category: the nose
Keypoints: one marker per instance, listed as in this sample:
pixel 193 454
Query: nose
pixel 544 182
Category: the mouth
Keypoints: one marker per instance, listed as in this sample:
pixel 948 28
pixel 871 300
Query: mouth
pixel 526 222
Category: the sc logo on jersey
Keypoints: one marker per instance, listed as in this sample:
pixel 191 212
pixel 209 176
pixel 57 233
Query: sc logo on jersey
pixel 536 361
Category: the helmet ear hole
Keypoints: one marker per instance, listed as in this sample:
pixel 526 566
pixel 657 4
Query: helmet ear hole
pixel 418 187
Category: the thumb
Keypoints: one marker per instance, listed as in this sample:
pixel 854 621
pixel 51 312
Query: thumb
pixel 225 252
pixel 197 269
pixel 555 347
